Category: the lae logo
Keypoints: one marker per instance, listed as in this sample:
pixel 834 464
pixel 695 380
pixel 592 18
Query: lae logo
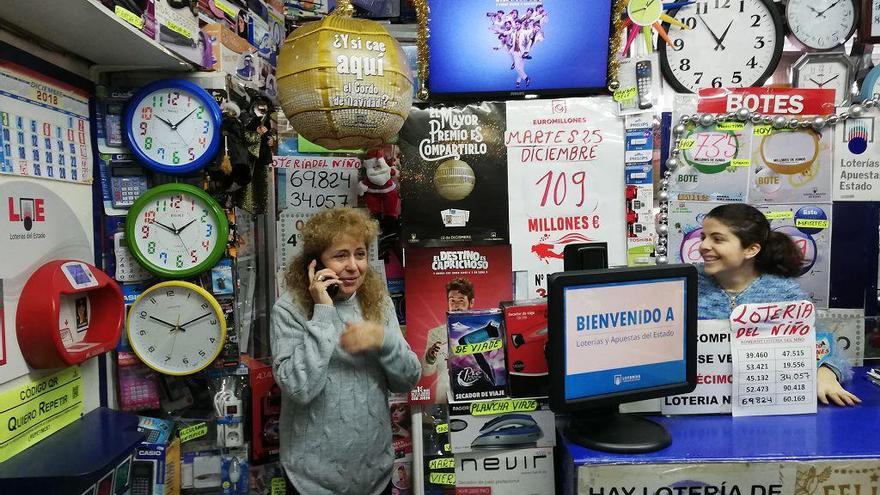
pixel 26 210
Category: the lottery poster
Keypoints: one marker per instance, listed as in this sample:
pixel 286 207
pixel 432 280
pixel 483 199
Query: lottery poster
pixel 714 161
pixel 856 164
pixel 792 166
pixel 307 185
pixel 809 226
pixel 565 171
pixel 455 166
pixel 685 228
pixel 478 277
pixel 44 127
pixel 774 358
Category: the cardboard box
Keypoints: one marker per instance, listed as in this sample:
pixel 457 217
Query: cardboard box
pixel 144 21
pixel 233 55
pixel 501 424
pixel 520 472
pixel 265 410
pixel 178 30
pixel 476 355
pixel 525 328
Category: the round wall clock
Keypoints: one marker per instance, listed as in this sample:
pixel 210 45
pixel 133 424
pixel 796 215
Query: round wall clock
pixel 176 230
pixel 173 126
pixel 825 71
pixel 819 25
pixel 176 328
pixel 729 43
pixel 644 12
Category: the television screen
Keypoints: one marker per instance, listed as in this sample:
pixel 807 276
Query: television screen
pixel 511 47
pixel 624 336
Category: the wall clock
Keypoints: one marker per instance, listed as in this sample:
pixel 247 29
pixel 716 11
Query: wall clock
pixel 819 25
pixel 825 71
pixel 869 27
pixel 68 312
pixel 176 230
pixel 173 126
pixel 176 328
pixel 729 43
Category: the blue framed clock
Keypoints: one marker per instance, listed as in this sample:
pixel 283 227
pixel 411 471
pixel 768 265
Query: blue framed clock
pixel 871 84
pixel 173 126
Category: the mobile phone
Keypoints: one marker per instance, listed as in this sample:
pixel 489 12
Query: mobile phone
pixel 333 289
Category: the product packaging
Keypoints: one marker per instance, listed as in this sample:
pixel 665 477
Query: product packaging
pixel 476 355
pixel 501 424
pixel 525 331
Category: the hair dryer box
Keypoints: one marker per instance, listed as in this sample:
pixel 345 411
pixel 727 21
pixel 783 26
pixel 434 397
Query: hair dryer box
pixel 525 328
pixel 523 472
pixel 501 424
pixel 476 355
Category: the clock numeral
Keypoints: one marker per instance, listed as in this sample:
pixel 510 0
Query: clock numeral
pixel 702 8
pixel 737 77
pixel 150 217
pixel 179 262
pixel 678 44
pixel 204 217
pixel 151 348
pixel 192 205
pixel 161 152
pixel 146 113
pixel 164 257
pixel 167 358
pixel 143 127
pixel 213 321
pixel 145 232
pixel 685 64
pixel 756 20
pixel 185 360
pixel 153 300
pixel 143 315
pixel 148 143
pixel 690 22
pixel 142 332
pixel 698 76
pixel 752 63
pixel 158 99
pixel 759 42
pixel 205 129
pixel 203 141
pixel 175 157
pixel 212 339
pixel 203 353
pixel 175 200
pixel 169 292
pixel 200 113
pixel 716 82
pixel 722 4
pixel 192 156
pixel 742 6
pixel 151 247
pixel 173 97
pixel 193 257
pixel 205 305
pixel 210 230
pixel 206 245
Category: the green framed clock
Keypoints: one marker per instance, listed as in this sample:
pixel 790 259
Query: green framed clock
pixel 176 230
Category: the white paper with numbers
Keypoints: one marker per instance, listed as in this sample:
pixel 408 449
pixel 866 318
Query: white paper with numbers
pixel 774 358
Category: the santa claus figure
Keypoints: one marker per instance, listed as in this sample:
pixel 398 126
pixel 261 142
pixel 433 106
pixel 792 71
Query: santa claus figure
pixel 379 187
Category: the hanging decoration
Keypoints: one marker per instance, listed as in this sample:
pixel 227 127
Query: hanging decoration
pixel 344 82
pixel 644 16
pixel 780 123
pixel 614 41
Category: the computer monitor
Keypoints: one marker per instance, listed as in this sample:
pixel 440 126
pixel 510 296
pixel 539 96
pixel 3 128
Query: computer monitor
pixel 620 335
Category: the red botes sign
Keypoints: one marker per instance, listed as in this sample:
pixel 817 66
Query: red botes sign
pixel 767 101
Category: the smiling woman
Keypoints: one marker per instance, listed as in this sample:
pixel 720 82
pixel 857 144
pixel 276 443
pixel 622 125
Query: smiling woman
pixel 336 357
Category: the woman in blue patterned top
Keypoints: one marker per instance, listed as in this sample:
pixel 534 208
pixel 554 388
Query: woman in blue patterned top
pixel 746 262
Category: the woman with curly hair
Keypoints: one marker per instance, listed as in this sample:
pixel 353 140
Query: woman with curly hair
pixel 337 351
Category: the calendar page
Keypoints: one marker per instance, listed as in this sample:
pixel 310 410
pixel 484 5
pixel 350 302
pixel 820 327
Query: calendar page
pixel 44 127
pixel 774 358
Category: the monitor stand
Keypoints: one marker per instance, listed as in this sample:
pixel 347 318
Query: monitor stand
pixel 608 430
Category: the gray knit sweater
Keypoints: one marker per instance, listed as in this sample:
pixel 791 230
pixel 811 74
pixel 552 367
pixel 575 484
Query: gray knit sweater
pixel 335 421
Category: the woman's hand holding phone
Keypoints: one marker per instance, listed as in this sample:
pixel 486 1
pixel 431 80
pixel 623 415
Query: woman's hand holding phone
pixel 323 283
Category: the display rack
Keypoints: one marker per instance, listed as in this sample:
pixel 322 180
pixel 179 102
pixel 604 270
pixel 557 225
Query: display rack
pixel 86 28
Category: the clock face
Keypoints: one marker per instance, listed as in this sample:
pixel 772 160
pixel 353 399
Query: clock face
pixel 729 43
pixel 821 24
pixel 176 328
pixel 828 74
pixel 176 230
pixel 173 127
pixel 644 12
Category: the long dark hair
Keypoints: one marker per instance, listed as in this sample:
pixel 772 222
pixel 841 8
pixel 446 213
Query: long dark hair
pixel 778 256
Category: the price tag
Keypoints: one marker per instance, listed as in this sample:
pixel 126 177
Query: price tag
pixel 485 408
pixel 741 162
pixel 443 428
pixel 779 215
pixel 730 126
pixel 442 479
pixel 686 144
pixel 763 130
pixel 812 223
pixel 129 17
pixel 177 28
pixel 625 94
pixel 442 463
pixel 774 358
pixel 227 9
pixel 279 487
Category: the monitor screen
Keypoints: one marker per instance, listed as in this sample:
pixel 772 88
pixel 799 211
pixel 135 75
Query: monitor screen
pixel 510 48
pixel 621 334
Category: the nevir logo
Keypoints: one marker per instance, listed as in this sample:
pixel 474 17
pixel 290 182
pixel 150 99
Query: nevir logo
pixel 26 210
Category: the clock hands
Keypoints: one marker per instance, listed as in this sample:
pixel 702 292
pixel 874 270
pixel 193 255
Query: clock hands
pixel 167 122
pixel 712 33
pixel 181 120
pixel 185 226
pixel 183 327
pixel 172 325
pixel 828 81
pixel 169 229
pixel 822 14
pixel 724 35
pixel 817 83
pixel 177 233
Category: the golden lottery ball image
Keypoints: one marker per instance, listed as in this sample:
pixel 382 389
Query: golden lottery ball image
pixel 454 179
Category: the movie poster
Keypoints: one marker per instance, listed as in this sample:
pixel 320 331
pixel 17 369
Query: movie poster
pixel 454 176
pixel 481 277
pixel 565 172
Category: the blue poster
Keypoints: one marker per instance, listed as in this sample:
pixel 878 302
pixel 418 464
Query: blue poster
pixel 517 45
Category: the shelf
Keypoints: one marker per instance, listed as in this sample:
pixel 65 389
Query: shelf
pixel 89 30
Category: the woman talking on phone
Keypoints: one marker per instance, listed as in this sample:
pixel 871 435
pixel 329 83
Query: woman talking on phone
pixel 337 351
pixel 745 262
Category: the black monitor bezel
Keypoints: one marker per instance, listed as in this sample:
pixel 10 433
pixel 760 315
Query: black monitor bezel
pixel 556 341
pixel 524 94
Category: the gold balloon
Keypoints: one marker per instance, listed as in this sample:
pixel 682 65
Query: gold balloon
pixel 454 179
pixel 344 82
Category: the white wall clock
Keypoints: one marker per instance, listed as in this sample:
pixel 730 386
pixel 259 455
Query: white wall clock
pixel 825 71
pixel 729 43
pixel 822 24
pixel 176 328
